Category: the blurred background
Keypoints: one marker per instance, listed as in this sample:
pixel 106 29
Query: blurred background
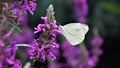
pixel 104 15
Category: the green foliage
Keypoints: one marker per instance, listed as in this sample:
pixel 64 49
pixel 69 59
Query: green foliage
pixel 110 7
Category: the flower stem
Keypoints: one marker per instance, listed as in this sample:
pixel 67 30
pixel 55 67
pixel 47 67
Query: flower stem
pixel 84 55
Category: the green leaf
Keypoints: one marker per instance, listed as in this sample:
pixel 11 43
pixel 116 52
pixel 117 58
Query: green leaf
pixel 32 62
pixel 15 27
pixel 110 7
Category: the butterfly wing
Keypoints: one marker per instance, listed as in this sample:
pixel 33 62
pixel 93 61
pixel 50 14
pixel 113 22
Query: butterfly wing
pixel 74 32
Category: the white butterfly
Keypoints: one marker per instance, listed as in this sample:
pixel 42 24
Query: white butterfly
pixel 74 32
pixel 27 65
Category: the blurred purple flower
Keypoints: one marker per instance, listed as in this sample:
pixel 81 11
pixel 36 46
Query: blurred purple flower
pixel 91 63
pixel 1 43
pixel 72 54
pixel 7 57
pixel 19 8
pixel 16 11
pixel 16 64
pixel 29 5
pixel 96 50
pixel 23 20
pixel 26 36
pixel 7 35
pixel 25 5
pixel 97 41
pixel 81 10
pixel 53 65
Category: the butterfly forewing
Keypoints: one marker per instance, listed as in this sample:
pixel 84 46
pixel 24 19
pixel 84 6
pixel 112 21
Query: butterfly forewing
pixel 74 32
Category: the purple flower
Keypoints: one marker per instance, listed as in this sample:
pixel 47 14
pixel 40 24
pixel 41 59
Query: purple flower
pixel 17 14
pixel 23 20
pixel 43 47
pixel 75 58
pixel 19 10
pixel 97 41
pixel 91 63
pixel 1 43
pixel 25 5
pixel 29 5
pixel 7 35
pixel 53 65
pixel 96 51
pixel 7 57
pixel 39 28
pixel 72 54
pixel 81 10
pixel 16 11
pixel 82 20
pixel 40 53
pixel 51 55
pixel 16 64
pixel 26 36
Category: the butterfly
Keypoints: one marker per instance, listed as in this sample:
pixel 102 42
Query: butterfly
pixel 74 32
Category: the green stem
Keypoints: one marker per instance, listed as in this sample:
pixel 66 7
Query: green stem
pixel 15 26
pixel 84 55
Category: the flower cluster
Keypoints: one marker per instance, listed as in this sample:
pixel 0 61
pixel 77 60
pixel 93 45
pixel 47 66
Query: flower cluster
pixel 15 11
pixel 24 6
pixel 79 56
pixel 26 36
pixel 96 51
pixel 19 8
pixel 81 10
pixel 12 14
pixel 72 54
pixel 42 46
pixel 7 56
